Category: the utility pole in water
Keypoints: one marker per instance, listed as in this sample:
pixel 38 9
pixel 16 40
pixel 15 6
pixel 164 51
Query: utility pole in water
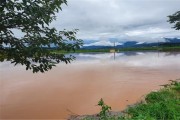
pixel 158 48
pixel 114 51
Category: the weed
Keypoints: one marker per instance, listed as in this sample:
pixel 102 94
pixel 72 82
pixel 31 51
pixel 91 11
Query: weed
pixel 104 110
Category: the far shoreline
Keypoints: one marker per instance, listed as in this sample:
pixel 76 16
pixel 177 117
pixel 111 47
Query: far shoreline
pixel 116 50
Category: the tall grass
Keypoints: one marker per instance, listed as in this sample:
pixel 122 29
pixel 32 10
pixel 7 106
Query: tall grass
pixel 161 105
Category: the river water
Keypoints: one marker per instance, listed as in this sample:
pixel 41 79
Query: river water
pixel 121 79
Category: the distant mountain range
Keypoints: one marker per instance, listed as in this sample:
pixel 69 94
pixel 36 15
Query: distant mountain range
pixel 110 44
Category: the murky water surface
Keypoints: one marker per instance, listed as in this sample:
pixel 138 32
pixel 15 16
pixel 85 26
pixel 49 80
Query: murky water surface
pixel 121 79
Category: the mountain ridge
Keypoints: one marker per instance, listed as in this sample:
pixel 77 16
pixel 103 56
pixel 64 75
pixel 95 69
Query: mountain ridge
pixel 166 42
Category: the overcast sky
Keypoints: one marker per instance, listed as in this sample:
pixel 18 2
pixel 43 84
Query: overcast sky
pixel 141 20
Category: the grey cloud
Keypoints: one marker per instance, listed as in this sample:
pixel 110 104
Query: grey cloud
pixel 99 19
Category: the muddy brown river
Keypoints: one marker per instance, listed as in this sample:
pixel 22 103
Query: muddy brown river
pixel 75 89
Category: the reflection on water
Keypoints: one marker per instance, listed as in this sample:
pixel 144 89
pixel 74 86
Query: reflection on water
pixel 143 59
pixel 119 79
pixel 91 56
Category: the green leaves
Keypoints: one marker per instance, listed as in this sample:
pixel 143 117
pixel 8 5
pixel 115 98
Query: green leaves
pixel 104 110
pixel 175 19
pixel 32 18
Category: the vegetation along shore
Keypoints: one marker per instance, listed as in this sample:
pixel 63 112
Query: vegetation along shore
pixel 161 49
pixel 157 105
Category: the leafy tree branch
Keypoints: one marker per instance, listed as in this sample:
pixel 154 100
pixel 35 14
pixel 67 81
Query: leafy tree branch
pixel 32 18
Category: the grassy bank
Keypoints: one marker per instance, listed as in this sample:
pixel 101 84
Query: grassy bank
pixel 161 105
pixel 175 48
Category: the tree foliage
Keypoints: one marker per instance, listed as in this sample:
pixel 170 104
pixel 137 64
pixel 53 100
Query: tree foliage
pixel 31 48
pixel 175 18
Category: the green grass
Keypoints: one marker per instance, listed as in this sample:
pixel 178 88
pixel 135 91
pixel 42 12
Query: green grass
pixel 82 51
pixel 161 105
pixel 175 48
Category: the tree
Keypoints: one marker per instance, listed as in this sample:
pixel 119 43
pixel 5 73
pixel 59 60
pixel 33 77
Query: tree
pixel 32 19
pixel 175 18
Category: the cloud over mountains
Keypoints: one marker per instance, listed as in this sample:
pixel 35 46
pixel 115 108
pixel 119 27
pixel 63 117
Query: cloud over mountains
pixel 140 20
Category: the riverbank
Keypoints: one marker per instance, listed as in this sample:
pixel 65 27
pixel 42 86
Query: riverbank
pixel 157 105
pixel 107 50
